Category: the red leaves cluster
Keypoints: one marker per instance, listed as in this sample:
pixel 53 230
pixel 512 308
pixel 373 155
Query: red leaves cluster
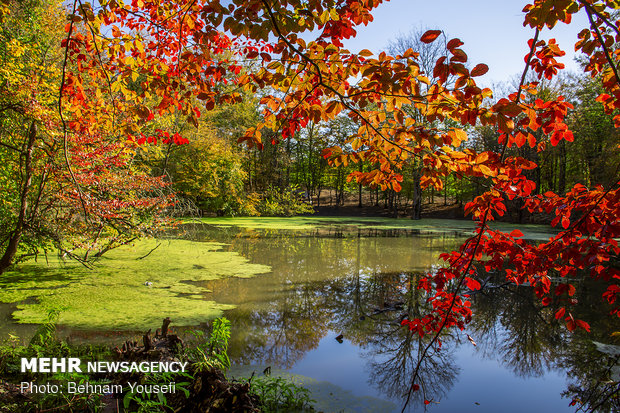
pixel 585 246
pixel 551 119
pixel 544 62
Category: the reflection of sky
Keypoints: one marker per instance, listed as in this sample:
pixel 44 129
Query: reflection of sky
pixel 481 380
pixel 337 363
pixel 497 389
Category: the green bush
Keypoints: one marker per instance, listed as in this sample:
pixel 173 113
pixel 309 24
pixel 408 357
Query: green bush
pixel 283 202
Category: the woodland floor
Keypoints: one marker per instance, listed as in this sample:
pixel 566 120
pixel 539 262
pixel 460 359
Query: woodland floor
pixel 437 209
pixel 370 208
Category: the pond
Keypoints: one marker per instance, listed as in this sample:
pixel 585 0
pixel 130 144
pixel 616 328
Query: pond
pixel 320 300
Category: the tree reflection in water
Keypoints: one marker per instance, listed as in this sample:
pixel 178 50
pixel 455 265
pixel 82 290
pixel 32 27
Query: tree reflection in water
pixel 513 330
pixel 393 351
pixel 362 284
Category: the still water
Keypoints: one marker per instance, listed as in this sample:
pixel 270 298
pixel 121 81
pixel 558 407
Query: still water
pixel 328 313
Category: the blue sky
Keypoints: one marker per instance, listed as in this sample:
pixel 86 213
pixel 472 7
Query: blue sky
pixel 493 31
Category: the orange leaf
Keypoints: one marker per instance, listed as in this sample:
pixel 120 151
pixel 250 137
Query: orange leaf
pixel 516 233
pixel 430 36
pixel 486 170
pixel 482 157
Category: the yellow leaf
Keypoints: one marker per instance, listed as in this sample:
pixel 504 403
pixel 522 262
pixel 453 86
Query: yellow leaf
pixel 482 157
pixel 486 170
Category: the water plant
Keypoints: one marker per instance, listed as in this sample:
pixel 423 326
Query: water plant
pixel 211 352
pixel 278 394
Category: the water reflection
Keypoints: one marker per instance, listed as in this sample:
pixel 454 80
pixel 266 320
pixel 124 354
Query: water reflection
pixel 361 285
pixel 515 330
pixel 524 336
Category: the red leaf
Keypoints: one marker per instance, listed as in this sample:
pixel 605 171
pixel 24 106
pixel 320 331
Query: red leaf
pixel 427 402
pixel 472 284
pixel 459 56
pixel 479 70
pixel 416 387
pixel 516 233
pixel 430 36
pixel 583 324
pixel 560 313
pixel 565 222
pixel 454 43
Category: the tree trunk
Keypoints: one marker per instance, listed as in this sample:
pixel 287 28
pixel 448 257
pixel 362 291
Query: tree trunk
pixel 395 211
pixel 11 247
pixel 562 168
pixel 417 195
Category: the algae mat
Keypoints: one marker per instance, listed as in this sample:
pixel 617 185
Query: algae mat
pixel 309 222
pixel 130 288
pixel 426 225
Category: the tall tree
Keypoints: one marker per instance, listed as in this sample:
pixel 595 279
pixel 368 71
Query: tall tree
pixel 67 188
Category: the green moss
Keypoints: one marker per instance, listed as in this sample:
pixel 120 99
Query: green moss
pixel 114 294
pixel 311 222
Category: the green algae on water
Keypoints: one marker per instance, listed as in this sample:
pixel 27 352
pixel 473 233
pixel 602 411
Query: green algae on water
pixel 425 225
pixel 130 288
